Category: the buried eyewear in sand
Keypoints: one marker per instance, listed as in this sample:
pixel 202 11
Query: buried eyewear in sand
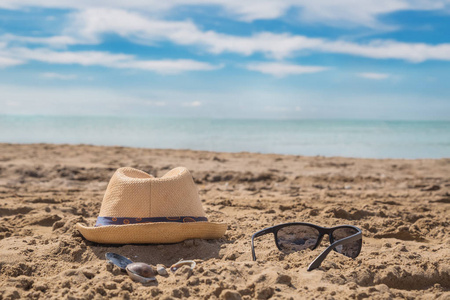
pixel 292 237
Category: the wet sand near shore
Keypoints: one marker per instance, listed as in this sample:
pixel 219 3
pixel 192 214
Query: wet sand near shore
pixel 402 207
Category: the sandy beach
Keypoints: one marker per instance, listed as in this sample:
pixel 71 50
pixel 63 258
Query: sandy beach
pixel 402 206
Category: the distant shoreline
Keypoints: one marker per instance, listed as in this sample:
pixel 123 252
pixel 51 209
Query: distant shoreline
pixel 207 152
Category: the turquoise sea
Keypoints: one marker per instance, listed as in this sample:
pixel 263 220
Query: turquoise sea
pixel 349 138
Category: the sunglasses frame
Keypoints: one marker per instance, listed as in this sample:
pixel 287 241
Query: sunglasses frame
pixel 322 232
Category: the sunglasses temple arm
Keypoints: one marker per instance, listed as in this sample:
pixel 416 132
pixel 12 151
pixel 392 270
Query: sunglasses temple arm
pixel 257 234
pixel 253 249
pixel 319 259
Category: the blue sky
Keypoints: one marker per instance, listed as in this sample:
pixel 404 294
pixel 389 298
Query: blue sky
pixel 383 59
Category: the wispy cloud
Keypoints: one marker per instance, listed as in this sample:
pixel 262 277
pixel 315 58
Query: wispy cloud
pixel 338 13
pixel 50 75
pixel 52 41
pixel 98 58
pixel 89 25
pixel 115 38
pixel 374 76
pixel 168 66
pixel 284 69
pixel 8 61
pixel 192 104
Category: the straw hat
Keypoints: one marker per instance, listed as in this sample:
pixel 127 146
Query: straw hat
pixel 138 209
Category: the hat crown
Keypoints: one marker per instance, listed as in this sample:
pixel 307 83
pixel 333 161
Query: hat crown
pixel 134 193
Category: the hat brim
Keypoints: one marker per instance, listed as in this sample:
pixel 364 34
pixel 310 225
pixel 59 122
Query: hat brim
pixel 152 233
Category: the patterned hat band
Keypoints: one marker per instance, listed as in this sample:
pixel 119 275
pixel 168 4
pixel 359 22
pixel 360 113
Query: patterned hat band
pixel 104 221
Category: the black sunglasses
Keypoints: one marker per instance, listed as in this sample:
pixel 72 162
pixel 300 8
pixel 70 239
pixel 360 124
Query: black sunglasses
pixel 291 237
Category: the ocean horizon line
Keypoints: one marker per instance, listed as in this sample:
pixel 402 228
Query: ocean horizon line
pixel 343 138
pixel 125 116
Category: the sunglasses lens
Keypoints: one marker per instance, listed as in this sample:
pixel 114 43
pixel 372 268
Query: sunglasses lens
pixel 350 249
pixel 297 238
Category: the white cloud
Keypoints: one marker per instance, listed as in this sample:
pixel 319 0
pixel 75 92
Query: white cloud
pixel 88 26
pixel 52 41
pixel 192 104
pixel 105 59
pixel 387 49
pixel 375 76
pixel 283 69
pixel 8 62
pixel 51 75
pixel 85 58
pixel 167 66
pixel 341 13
